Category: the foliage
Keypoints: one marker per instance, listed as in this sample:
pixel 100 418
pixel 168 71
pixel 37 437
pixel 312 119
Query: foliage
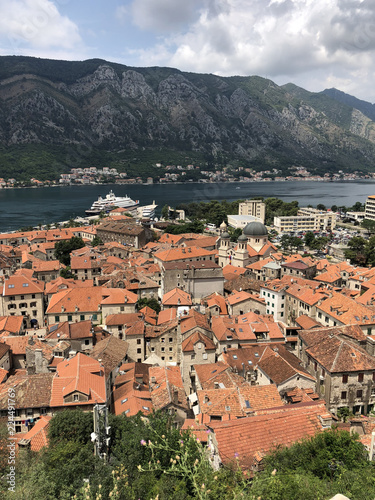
pixel 152 303
pixel 318 454
pixel 96 241
pixel 369 225
pixel 66 273
pixel 71 425
pixel 357 251
pixel 188 227
pixel 279 208
pixel 290 242
pixel 63 249
pixel 165 212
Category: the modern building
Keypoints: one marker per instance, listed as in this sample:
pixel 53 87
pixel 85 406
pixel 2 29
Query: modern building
pixel 370 208
pixel 256 208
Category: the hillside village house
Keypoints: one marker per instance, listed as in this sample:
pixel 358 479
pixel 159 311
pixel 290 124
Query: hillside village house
pixel 25 296
pixel 343 370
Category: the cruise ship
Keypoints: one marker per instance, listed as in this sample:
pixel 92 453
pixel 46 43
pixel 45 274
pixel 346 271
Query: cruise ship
pixel 109 202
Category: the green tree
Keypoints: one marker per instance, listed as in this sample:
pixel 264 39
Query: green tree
pixel 152 303
pixel 320 206
pixel 96 241
pixel 309 238
pixel 66 273
pixel 165 212
pixel 71 425
pixel 369 225
pixel 356 250
pixel 63 249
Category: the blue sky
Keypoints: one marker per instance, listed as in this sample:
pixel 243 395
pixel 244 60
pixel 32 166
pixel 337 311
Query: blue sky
pixel 315 44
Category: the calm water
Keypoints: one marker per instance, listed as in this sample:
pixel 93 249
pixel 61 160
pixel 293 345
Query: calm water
pixel 30 206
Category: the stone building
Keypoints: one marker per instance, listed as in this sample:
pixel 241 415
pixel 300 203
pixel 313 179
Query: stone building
pixel 124 232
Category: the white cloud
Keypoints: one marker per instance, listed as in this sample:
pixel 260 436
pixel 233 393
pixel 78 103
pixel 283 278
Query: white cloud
pixel 36 24
pixel 163 15
pixel 312 41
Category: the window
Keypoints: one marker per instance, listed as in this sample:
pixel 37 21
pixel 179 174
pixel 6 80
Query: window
pixel 170 349
pixel 139 341
pixel 360 377
pixel 170 339
pixel 33 296
pixel 162 339
pixel 94 317
pixel 359 393
pixel 87 341
pixel 315 366
pixel 70 317
pixel 345 378
pixel 57 319
pixel 139 350
pixel 82 317
pixel 162 349
pixel 32 304
pixel 192 356
pixel 319 314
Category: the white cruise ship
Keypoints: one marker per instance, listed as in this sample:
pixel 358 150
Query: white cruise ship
pixel 109 202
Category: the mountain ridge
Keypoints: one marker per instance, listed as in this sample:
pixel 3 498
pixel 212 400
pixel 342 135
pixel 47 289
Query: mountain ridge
pixel 117 111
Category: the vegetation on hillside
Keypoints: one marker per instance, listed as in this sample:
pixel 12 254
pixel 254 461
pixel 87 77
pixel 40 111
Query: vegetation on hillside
pixel 150 458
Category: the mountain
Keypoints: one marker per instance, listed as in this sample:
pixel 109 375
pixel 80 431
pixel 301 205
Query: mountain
pixel 365 107
pixel 55 115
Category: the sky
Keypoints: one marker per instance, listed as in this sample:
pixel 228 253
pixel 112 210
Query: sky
pixel 315 44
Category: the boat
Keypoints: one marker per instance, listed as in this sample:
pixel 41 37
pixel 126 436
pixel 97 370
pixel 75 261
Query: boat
pixel 109 202
pixel 147 212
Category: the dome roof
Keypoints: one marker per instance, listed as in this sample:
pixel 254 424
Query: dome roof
pixel 242 237
pixel 225 236
pixel 223 225
pixel 255 229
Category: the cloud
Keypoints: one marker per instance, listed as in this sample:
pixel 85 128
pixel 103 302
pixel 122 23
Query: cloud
pixel 36 24
pixel 309 40
pixel 163 16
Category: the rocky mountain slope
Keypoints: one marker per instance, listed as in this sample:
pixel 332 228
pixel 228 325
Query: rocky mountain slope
pixel 106 109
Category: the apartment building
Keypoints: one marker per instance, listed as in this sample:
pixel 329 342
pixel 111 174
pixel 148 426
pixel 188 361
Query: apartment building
pixel 370 208
pixel 307 219
pixel 255 208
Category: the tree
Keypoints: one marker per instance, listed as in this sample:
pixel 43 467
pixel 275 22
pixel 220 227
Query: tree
pixel 165 212
pixel 369 225
pixel 152 303
pixel 320 206
pixel 356 250
pixel 66 273
pixel 71 425
pixel 63 249
pixel 309 238
pixel 96 241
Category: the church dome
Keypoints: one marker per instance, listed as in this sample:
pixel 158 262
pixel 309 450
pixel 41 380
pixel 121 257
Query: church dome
pixel 255 229
pixel 225 236
pixel 223 225
pixel 242 238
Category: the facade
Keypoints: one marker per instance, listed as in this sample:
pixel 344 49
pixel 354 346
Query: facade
pixel 370 208
pixel 308 219
pixel 125 232
pixel 255 208
pixel 198 279
pixel 344 371
pixel 22 295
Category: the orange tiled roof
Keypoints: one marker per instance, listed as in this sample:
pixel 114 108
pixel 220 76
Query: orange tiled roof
pixel 167 315
pixel 249 439
pixel 37 436
pixel 81 374
pixel 334 352
pixel 168 387
pixel 182 254
pixel 20 285
pixel 189 343
pixel 177 297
